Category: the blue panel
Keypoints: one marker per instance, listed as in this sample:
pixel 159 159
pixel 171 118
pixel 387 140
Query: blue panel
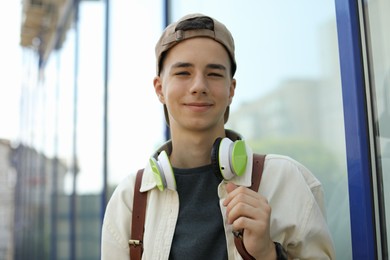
pixel 356 132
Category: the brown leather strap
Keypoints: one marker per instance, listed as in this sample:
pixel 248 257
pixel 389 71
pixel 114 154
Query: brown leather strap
pixel 138 221
pixel 257 172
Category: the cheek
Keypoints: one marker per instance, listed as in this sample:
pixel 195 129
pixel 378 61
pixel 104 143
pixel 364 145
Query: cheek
pixel 165 89
pixel 225 93
pixel 170 94
pixel 174 88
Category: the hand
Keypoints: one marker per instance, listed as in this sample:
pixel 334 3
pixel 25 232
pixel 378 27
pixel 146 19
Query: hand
pixel 249 211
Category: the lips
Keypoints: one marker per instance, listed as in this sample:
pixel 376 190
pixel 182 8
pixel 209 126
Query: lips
pixel 198 106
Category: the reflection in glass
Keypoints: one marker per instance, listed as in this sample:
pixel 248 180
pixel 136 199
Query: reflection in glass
pixel 376 23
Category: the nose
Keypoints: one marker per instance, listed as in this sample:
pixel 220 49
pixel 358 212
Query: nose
pixel 199 85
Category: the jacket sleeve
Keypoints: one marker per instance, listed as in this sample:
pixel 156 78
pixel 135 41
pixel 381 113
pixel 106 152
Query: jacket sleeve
pixel 298 218
pixel 315 241
pixel 116 227
pixel 316 235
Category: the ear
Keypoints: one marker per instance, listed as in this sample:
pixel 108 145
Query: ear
pixel 157 82
pixel 232 88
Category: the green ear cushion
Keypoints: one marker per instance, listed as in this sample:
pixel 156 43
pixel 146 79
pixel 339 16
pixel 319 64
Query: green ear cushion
pixel 239 157
pixel 156 173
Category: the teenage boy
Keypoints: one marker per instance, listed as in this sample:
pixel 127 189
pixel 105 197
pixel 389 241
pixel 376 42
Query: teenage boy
pixel 197 183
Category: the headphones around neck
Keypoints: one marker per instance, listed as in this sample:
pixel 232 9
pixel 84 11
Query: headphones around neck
pixel 228 159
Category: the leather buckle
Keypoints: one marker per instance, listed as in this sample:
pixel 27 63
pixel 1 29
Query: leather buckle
pixel 238 234
pixel 135 243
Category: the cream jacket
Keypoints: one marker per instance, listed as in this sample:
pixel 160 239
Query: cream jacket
pixel 298 219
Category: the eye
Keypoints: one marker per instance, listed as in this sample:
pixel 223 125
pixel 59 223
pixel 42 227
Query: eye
pixel 215 74
pixel 182 73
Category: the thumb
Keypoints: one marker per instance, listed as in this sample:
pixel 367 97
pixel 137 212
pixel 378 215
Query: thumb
pixel 230 187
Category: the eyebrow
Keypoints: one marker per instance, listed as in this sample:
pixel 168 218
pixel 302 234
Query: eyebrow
pixel 188 64
pixel 216 66
pixel 182 65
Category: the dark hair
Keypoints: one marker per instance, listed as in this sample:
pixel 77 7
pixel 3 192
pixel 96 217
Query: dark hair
pixel 203 22
pixel 196 23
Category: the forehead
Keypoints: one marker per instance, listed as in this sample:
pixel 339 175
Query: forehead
pixel 198 49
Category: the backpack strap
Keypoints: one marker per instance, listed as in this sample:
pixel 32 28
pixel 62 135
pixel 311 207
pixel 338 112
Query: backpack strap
pixel 139 209
pixel 257 172
pixel 138 219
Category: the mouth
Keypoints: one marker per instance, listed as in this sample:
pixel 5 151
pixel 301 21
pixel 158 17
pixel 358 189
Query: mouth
pixel 198 106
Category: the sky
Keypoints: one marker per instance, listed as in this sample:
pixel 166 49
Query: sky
pixel 10 67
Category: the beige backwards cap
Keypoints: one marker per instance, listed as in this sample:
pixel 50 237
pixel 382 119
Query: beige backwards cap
pixel 172 36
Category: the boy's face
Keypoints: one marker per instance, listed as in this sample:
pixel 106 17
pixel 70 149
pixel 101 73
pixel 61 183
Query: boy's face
pixel 195 84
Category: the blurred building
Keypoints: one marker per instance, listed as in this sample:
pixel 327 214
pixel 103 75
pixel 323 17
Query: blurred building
pixel 300 108
pixel 44 25
pixel 7 190
pixel 39 182
pixel 88 223
pixel 36 211
pixel 295 109
pixel 280 112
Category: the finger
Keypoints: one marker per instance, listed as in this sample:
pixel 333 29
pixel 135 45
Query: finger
pixel 240 210
pixel 248 199
pixel 230 187
pixel 243 223
pixel 239 193
pixel 244 205
pixel 254 220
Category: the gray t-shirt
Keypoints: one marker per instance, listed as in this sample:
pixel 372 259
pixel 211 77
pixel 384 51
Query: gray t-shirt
pixel 199 232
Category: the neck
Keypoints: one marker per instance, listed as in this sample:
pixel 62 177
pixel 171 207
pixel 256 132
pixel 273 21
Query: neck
pixel 193 149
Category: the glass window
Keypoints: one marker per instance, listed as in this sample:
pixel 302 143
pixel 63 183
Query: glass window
pixel 288 95
pixel 62 142
pixel 378 42
pixel 89 106
pixel 65 92
pixel 89 130
pixel 136 122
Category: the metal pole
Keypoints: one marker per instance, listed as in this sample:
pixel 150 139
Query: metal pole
pixel 74 160
pixel 54 184
pixel 105 123
pixel 167 20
